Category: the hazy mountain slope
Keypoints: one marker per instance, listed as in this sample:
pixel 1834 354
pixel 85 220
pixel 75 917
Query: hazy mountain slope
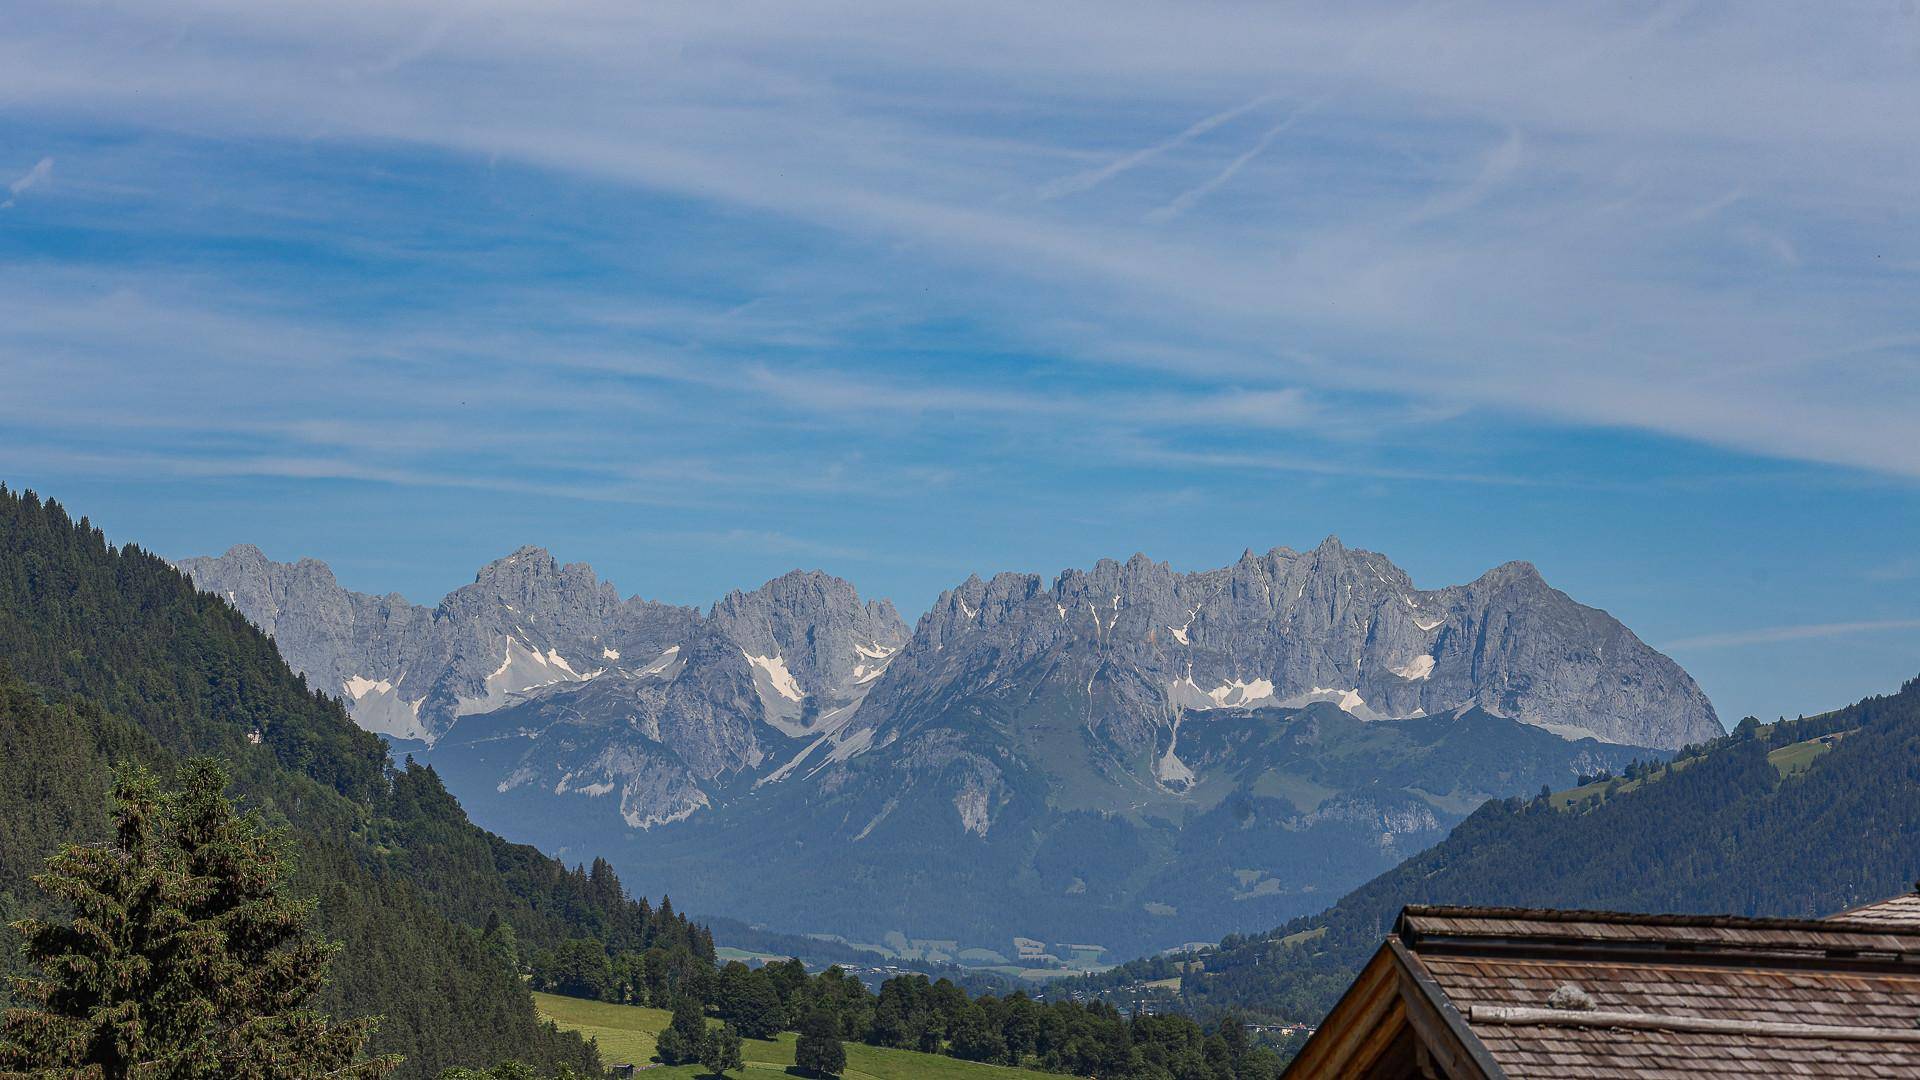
pixel 1819 827
pixel 1289 806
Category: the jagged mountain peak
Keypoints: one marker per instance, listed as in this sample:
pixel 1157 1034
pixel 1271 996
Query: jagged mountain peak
pixel 812 635
pixel 1335 624
pixel 530 563
pixel 794 586
pixel 246 552
pixel 530 588
pixel 529 624
pixel 251 556
pixel 1518 571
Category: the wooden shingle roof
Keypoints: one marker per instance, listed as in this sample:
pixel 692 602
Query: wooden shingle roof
pixel 1523 993
pixel 1901 909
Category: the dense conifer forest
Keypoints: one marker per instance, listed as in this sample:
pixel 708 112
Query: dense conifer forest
pixel 1801 818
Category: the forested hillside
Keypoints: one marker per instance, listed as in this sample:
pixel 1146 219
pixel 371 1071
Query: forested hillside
pixel 1799 818
pixel 109 655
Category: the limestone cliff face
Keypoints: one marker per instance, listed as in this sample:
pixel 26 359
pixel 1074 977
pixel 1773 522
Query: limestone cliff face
pixel 528 626
pixel 1142 643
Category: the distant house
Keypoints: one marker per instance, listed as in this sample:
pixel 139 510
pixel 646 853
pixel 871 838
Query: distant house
pixel 1482 993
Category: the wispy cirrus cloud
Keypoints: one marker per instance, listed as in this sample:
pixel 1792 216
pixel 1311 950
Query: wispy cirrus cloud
pixel 1388 235
pixel 989 280
pixel 1775 635
pixel 1187 199
pixel 41 172
pixel 1904 568
pixel 1091 178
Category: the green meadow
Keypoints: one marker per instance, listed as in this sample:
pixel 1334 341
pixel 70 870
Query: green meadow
pixel 627 1033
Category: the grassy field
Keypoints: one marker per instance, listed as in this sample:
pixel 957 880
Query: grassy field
pixel 1787 760
pixel 1304 935
pixel 627 1034
pixel 726 953
pixel 1794 757
pixel 1562 799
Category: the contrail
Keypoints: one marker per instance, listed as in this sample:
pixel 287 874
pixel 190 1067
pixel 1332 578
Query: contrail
pixel 1082 181
pixel 1187 198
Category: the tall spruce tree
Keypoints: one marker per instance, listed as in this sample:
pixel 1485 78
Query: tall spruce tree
pixel 184 957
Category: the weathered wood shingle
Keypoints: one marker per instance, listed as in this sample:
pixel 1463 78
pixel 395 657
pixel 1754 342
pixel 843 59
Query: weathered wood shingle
pixel 1526 993
pixel 1904 910
pixel 1777 977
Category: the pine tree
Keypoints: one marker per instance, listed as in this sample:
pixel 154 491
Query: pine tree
pixel 722 1051
pixel 185 958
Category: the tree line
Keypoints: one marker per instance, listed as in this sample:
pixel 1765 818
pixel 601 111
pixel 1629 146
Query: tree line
pixel 185 953
pixel 913 1012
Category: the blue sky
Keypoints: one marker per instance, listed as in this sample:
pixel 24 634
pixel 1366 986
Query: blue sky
pixel 699 293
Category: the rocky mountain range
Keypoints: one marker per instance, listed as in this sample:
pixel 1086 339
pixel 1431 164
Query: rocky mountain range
pixel 1129 752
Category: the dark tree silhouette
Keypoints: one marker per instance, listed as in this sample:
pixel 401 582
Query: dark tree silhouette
pixel 185 957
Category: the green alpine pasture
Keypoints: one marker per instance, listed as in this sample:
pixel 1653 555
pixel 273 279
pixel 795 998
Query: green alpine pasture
pixel 627 1033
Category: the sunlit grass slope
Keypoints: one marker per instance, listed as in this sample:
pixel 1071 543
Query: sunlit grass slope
pixel 627 1034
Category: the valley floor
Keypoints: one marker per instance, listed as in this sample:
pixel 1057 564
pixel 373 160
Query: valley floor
pixel 627 1034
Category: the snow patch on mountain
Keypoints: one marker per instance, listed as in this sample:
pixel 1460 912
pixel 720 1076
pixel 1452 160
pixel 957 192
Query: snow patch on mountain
pixel 1420 667
pixel 780 695
pixel 360 686
pixel 1234 694
pixel 666 665
pixel 779 679
pixel 1349 701
pixel 521 669
pixel 378 707
pixel 826 727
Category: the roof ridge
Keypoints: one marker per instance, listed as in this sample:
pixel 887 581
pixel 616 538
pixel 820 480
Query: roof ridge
pixel 1607 1018
pixel 1629 918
